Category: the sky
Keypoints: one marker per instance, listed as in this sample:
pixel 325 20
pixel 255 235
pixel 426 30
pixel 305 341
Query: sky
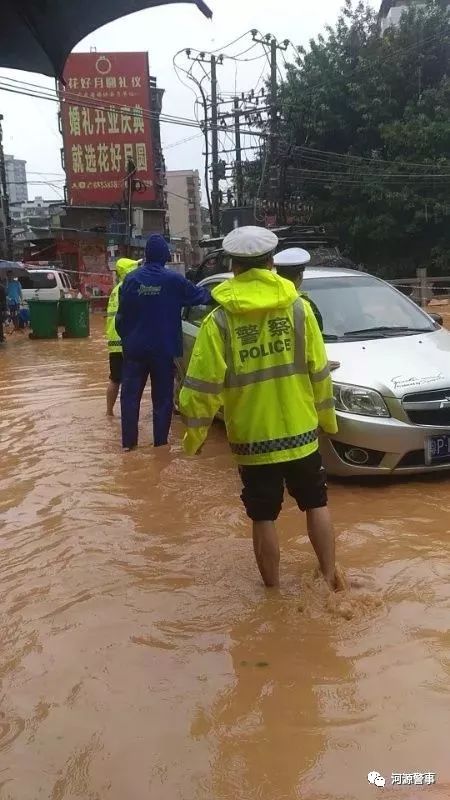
pixel 30 126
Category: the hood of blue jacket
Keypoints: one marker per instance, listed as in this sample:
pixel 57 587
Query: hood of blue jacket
pixel 157 250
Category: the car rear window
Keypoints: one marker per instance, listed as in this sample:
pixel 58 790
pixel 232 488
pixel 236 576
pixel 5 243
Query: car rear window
pixel 38 280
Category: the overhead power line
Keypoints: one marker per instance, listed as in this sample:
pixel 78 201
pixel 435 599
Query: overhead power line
pixel 373 161
pixel 72 98
pixel 183 141
pixel 396 175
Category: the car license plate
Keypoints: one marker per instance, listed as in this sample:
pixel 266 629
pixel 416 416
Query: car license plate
pixel 437 449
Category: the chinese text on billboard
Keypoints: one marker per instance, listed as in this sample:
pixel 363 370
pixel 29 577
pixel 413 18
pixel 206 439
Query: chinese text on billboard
pixel 106 123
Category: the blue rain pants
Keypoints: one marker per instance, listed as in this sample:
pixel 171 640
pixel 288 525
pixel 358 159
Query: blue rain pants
pixel 161 370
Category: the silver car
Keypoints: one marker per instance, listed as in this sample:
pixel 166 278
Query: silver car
pixel 392 388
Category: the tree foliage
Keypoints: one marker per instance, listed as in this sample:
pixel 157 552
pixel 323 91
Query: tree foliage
pixel 365 132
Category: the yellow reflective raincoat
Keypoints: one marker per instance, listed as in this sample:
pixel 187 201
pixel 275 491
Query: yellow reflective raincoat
pixel 261 356
pixel 123 267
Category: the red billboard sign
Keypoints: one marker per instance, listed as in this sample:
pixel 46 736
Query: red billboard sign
pixel 105 107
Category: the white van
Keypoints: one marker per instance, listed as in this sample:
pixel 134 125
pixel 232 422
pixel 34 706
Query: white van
pixel 46 284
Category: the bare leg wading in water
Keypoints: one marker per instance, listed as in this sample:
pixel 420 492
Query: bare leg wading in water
pixel 262 495
pixel 112 393
pixel 267 552
pixel 321 535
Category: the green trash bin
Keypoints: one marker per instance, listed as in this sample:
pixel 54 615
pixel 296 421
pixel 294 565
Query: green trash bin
pixel 74 316
pixel 43 319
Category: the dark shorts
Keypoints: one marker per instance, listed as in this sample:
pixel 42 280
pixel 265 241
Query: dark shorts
pixel 263 492
pixel 115 367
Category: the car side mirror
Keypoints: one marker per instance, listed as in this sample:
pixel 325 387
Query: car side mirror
pixel 437 318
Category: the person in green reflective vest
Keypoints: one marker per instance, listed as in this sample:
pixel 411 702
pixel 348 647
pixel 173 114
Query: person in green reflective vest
pixel 123 267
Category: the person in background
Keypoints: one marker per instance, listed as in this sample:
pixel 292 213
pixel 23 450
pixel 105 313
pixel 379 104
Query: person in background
pixel 148 321
pixel 290 264
pixel 24 318
pixel 2 311
pixel 123 267
pixel 14 298
pixel 260 355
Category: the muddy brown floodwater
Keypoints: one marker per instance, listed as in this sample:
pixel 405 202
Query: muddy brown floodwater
pixel 140 656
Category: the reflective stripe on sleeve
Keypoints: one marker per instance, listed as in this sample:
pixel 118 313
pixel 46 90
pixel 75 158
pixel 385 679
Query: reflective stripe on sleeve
pixel 114 343
pixel 273 445
pixel 316 377
pixel 325 404
pixel 196 422
pixel 202 386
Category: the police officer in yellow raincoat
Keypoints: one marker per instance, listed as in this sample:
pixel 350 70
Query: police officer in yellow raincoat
pixel 261 356
pixel 290 264
pixel 123 267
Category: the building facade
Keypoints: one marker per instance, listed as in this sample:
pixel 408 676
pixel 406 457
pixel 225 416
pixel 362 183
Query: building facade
pixel 16 179
pixel 392 10
pixel 114 165
pixel 112 156
pixel 30 210
pixel 184 204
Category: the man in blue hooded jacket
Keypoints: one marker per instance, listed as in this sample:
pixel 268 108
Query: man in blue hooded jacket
pixel 149 324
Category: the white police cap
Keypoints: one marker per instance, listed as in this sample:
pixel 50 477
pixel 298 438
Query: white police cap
pixel 250 241
pixel 292 257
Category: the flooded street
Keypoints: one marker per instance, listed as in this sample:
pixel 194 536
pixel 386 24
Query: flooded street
pixel 142 658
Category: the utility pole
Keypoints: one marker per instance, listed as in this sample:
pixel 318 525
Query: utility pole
pixel 240 128
pixel 212 62
pixel 273 161
pixel 238 162
pixel 273 100
pixel 131 171
pixel 4 205
pixel 215 222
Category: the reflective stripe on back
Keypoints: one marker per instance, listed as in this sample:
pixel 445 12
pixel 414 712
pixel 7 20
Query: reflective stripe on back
pixel 298 366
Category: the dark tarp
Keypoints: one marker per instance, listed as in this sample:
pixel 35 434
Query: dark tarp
pixel 38 35
pixel 17 270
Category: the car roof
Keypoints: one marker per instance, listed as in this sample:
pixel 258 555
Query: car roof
pixel 310 272
pixel 43 269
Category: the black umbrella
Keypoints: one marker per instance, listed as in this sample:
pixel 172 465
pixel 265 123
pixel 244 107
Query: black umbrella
pixel 38 35
pixel 12 266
